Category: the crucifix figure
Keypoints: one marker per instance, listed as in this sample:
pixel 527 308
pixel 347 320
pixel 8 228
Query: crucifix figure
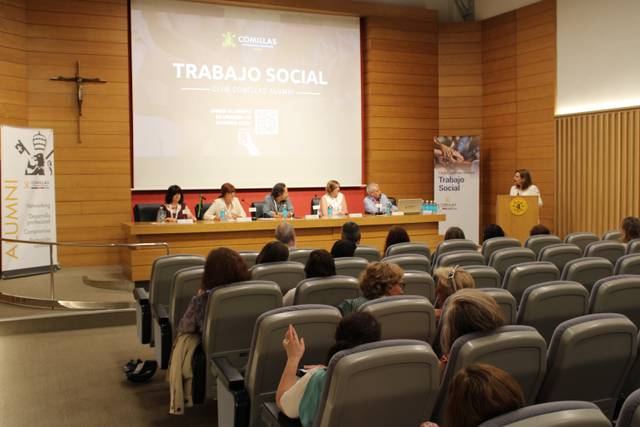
pixel 79 80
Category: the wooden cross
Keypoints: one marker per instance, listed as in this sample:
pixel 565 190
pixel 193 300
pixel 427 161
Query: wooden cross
pixel 79 80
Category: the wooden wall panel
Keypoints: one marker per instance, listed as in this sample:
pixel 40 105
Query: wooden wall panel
pixel 13 62
pixel 598 170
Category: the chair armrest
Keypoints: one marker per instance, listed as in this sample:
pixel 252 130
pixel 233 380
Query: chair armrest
pixel 141 296
pixel 161 314
pixel 271 416
pixel 230 376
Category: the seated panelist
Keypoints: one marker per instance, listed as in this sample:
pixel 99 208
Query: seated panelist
pixel 333 199
pixel 174 207
pixel 227 203
pixel 376 201
pixel 277 201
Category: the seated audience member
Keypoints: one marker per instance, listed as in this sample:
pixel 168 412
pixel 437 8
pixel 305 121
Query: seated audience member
pixel 275 202
pixel 376 202
pixel 286 234
pixel 333 199
pixel 450 280
pixel 343 249
pixel 300 398
pixel 395 235
pixel 630 229
pixel 273 252
pixel 479 393
pixel 319 264
pixel 227 203
pixel 174 207
pixel 539 230
pixel 491 231
pixel 454 233
pixel 379 279
pixel 351 232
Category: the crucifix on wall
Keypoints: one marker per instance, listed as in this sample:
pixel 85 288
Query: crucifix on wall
pixel 79 81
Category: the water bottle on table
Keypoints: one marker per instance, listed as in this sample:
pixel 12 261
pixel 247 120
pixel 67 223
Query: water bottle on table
pixel 162 215
pixel 221 214
pixel 285 212
pixel 330 211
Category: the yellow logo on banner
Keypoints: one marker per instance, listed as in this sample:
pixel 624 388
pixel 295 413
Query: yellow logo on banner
pixel 518 206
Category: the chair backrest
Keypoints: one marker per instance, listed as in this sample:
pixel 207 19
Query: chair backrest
pixel 259 209
pixel 614 235
pixel 408 248
pixel 299 255
pixel 632 382
pixel 205 208
pixel 633 247
pixel 587 271
pixel 378 383
pixel 588 359
pixel 315 205
pixel 452 246
pixel 162 271
pixel 617 294
pixel 231 314
pixel 628 264
pixel 552 414
pixel 581 239
pixel 369 253
pixel 506 302
pixel 519 277
pixel 463 258
pixel 560 254
pixel 630 411
pixel 519 350
pixel 145 212
pixel 351 266
pixel 484 276
pixel 249 257
pixel 502 259
pixel 536 243
pixel 545 305
pixel 316 323
pixel 287 274
pixel 489 246
pixel 606 249
pixel 403 317
pixel 419 283
pixel 407 262
pixel 186 283
pixel 330 290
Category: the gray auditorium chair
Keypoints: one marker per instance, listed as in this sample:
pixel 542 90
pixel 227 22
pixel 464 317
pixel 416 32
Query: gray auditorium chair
pixel 628 264
pixel 581 239
pixel 506 302
pixel 408 248
pixel 489 246
pixel 554 414
pixel 403 317
pixel 545 305
pixel 369 253
pixel 299 255
pixel 419 283
pixel 606 249
pixel 617 294
pixel 519 350
pixel 588 359
pixel 630 412
pixel 633 247
pixel 240 397
pixel 502 259
pixel 330 290
pixel 632 381
pixel 519 277
pixel 536 243
pixel 560 254
pixel 614 235
pixel 587 271
pixel 484 276
pixel 351 266
pixel 287 274
pixel 462 258
pixel 249 257
pixel 410 262
pixel 453 245
pixel 155 303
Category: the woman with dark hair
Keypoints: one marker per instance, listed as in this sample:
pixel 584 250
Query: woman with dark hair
pixel 491 231
pixel 395 235
pixel 454 233
pixel 174 207
pixel 379 279
pixel 523 185
pixel 538 230
pixel 319 264
pixel 343 249
pixel 630 228
pixel 273 252
pixel 227 206
pixel 300 398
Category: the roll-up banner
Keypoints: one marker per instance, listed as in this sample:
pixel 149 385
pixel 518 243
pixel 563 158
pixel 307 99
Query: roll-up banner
pixel 28 199
pixel 457 182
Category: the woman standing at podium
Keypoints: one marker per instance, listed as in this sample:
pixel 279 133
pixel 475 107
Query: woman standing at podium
pixel 523 186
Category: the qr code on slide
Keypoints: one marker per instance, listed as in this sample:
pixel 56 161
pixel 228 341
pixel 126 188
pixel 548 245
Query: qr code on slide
pixel 266 122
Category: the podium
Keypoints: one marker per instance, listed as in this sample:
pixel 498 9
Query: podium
pixel 517 214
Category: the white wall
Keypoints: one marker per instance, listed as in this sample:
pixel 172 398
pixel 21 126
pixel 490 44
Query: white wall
pixel 489 8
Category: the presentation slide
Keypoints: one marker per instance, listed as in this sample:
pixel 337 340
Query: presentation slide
pixel 242 95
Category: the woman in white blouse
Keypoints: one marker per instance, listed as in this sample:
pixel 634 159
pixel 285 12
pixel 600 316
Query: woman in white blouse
pixel 333 199
pixel 227 203
pixel 522 185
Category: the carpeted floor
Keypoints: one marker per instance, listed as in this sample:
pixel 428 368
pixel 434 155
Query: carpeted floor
pixel 74 378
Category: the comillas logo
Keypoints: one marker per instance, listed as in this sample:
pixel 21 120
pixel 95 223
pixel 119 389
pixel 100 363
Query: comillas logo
pixel 231 40
pixel 228 39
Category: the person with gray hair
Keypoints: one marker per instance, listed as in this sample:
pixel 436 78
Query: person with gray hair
pixel 376 202
pixel 286 234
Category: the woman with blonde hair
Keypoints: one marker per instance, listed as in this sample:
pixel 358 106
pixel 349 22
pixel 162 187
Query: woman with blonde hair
pixel 450 280
pixel 333 201
pixel 379 279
